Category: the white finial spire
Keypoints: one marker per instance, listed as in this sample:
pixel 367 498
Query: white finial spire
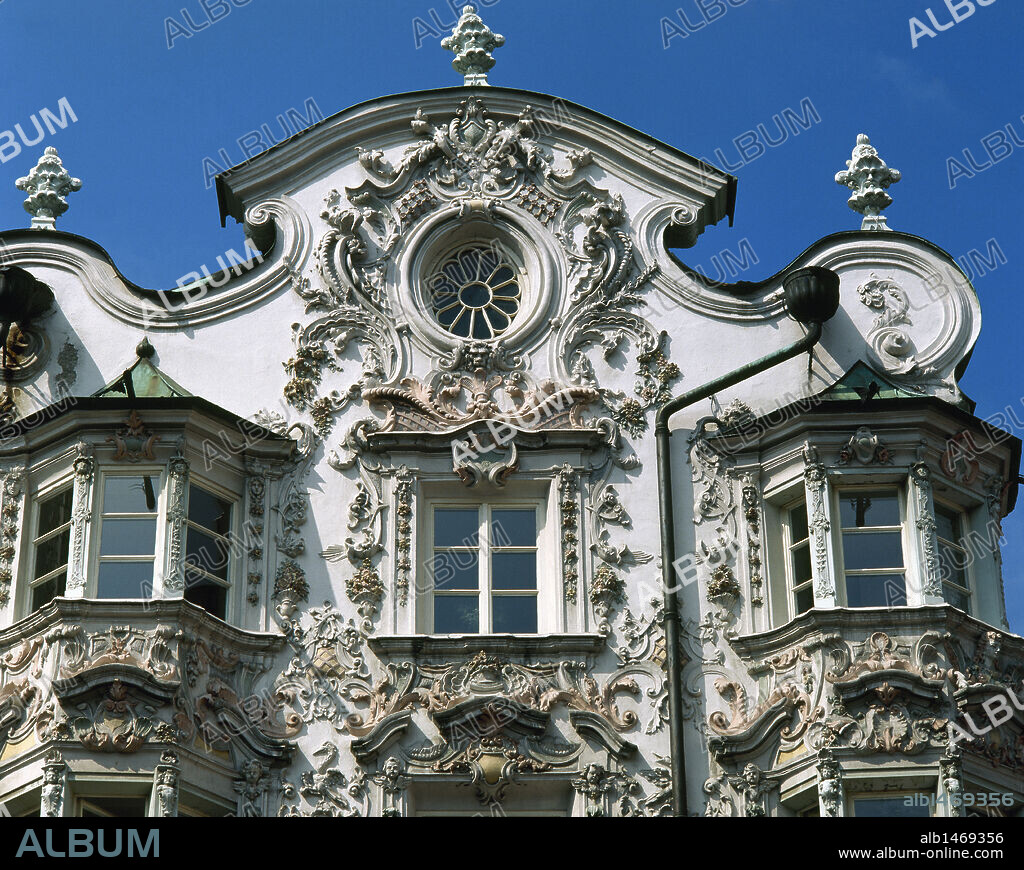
pixel 868 176
pixel 47 185
pixel 472 41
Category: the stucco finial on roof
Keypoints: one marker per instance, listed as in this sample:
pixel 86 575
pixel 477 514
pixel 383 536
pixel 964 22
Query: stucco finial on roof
pixel 472 41
pixel 47 185
pixel 867 175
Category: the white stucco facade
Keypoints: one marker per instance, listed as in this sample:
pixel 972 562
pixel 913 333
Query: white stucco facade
pixel 323 400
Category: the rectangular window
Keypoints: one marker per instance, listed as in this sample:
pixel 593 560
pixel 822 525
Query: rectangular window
pixel 484 569
pixel 103 806
pixel 903 806
pixel 872 541
pixel 50 547
pixel 798 546
pixel 207 551
pixel 953 559
pixel 127 533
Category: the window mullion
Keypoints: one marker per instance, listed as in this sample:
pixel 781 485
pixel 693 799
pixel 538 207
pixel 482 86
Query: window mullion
pixel 484 560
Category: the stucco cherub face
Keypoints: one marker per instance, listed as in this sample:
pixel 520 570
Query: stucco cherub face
pixel 751 775
pixel 392 768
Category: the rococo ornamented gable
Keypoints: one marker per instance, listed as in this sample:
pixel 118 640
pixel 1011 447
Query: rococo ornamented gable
pixel 468 496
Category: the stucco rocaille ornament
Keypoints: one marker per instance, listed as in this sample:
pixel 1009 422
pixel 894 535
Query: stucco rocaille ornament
pixel 868 176
pixel 47 185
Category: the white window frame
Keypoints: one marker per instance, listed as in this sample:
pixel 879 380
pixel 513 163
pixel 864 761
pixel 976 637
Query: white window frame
pixel 788 546
pixel 235 560
pixel 840 489
pixel 37 498
pixel 545 580
pixel 963 517
pixel 159 474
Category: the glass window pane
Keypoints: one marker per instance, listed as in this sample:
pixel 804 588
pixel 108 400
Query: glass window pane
pixel 44 593
pixel 52 553
pixel 862 509
pixel 456 569
pixel 867 550
pixel 206 593
pixel 514 570
pixel 952 564
pixel 514 614
pixel 902 807
pixel 876 590
pixel 947 523
pixel 801 563
pixel 514 528
pixel 54 512
pixel 130 495
pixel 456 614
pixel 206 510
pixel 798 523
pixel 125 580
pixel 210 554
pixel 118 807
pixel 456 527
pixel 956 597
pixel 804 600
pixel 128 537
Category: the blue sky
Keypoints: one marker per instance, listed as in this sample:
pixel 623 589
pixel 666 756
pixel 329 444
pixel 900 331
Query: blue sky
pixel 149 115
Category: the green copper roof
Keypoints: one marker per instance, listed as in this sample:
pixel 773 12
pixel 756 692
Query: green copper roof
pixel 861 383
pixel 147 382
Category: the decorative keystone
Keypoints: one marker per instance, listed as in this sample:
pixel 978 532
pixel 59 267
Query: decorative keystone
pixel 472 41
pixel 867 175
pixel 47 185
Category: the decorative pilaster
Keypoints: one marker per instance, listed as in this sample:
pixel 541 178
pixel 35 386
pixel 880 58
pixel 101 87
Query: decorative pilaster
pixel 595 785
pixel 12 490
pixel 994 488
pixel 165 785
pixel 930 591
pixel 569 510
pixel 830 785
pixel 81 516
pixel 55 769
pixel 256 495
pixel 251 787
pixel 819 525
pixel 404 483
pixel 392 783
pixel 752 514
pixel 177 513
pixel 952 778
